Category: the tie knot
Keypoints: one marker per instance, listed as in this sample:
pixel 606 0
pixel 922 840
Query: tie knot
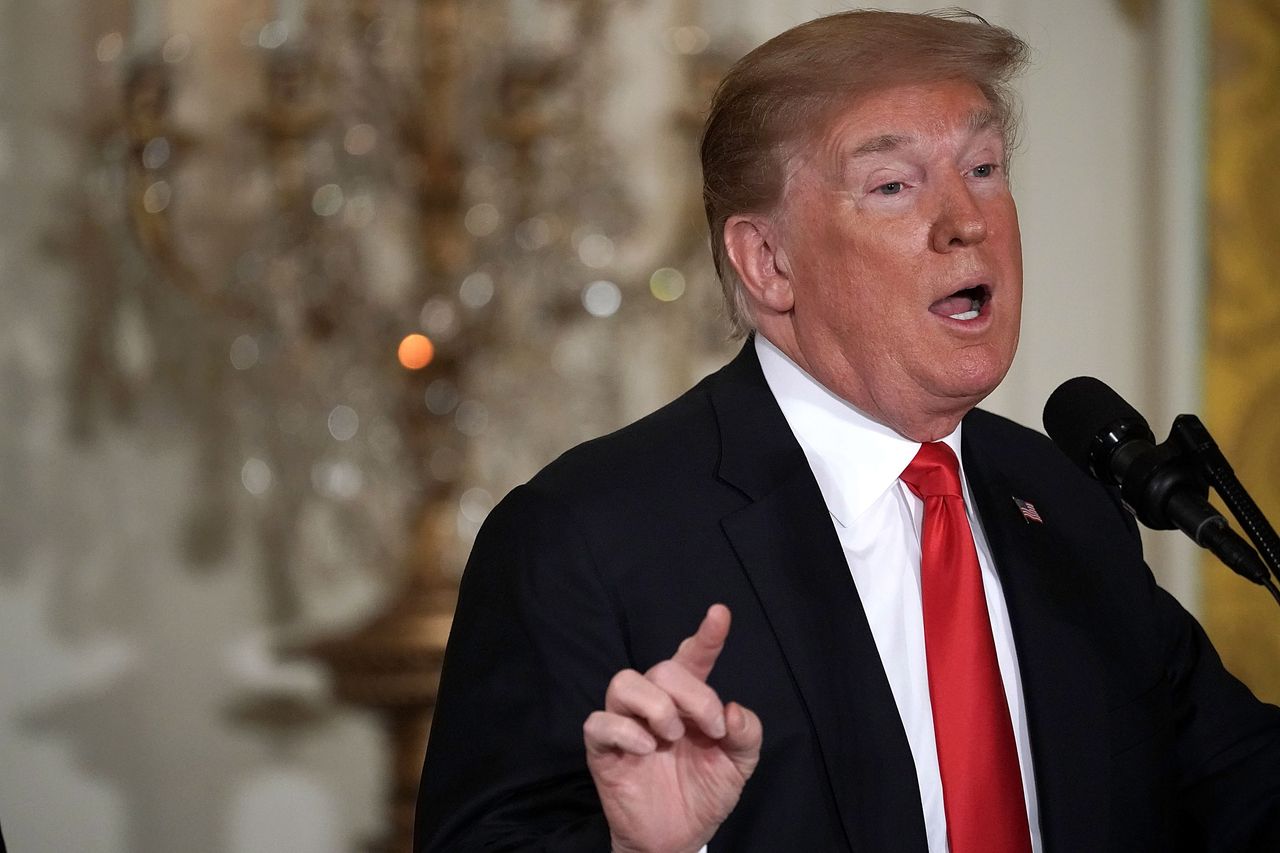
pixel 934 472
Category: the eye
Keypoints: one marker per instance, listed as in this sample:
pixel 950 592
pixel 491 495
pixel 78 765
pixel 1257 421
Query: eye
pixel 891 188
pixel 986 170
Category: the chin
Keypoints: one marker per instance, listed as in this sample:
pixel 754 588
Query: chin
pixel 973 382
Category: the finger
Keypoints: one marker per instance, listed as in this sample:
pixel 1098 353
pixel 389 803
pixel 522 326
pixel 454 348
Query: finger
pixel 743 739
pixel 631 694
pixel 698 653
pixel 604 732
pixel 693 698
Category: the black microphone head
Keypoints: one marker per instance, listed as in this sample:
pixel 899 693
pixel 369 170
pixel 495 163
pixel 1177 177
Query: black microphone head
pixel 1087 420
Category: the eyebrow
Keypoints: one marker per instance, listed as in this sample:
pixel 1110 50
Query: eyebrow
pixel 978 121
pixel 880 144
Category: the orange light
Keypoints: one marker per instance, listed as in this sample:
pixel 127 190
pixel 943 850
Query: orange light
pixel 416 351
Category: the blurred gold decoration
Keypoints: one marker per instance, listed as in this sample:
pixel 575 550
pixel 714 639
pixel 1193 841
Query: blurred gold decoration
pixel 392 667
pixel 293 114
pixel 1242 377
pixel 412 234
pixel 392 663
pixel 156 146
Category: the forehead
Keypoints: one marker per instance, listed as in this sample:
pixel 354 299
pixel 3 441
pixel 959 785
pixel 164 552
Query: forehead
pixel 905 115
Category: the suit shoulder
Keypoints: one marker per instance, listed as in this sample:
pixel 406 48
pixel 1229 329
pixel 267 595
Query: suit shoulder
pixel 998 427
pixel 1031 462
pixel 671 444
pixel 1011 440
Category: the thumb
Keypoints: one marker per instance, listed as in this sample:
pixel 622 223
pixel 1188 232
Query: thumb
pixel 743 736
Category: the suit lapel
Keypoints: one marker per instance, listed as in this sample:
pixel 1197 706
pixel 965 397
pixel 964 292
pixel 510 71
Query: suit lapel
pixel 790 552
pixel 1061 687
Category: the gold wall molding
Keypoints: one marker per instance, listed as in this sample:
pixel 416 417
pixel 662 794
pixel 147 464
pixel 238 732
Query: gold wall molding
pixel 1242 367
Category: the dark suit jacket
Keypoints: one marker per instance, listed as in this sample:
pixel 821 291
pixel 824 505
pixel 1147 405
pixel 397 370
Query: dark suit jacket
pixel 611 555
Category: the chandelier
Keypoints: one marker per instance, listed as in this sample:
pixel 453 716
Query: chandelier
pixel 380 259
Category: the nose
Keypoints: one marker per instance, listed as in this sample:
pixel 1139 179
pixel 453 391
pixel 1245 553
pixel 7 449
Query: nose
pixel 959 222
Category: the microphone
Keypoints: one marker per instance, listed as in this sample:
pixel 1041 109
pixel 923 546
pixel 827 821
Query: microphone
pixel 1161 486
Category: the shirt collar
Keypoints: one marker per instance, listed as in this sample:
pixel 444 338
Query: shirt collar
pixel 854 458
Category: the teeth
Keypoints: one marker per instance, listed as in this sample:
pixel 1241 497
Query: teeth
pixel 975 308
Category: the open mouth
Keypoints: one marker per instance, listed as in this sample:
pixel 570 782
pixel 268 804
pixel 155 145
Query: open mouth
pixel 964 304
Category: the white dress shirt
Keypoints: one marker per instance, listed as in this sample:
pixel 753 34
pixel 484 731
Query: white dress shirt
pixel 856 462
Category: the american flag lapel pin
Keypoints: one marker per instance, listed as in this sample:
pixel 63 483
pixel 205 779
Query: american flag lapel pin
pixel 1028 511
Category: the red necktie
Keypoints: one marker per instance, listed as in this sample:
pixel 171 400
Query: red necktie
pixel 977 756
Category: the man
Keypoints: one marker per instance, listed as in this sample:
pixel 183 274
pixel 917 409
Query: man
pixel 943 635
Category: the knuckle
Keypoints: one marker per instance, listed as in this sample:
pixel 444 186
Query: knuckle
pixel 662 706
pixel 594 721
pixel 621 679
pixel 660 711
pixel 663 672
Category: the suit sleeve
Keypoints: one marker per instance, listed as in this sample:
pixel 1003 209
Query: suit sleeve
pixel 535 641
pixel 1228 744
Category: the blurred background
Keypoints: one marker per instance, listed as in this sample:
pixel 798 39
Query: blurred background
pixel 296 290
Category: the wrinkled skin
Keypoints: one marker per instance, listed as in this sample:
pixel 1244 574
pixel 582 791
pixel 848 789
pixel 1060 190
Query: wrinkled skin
pixel 669 760
pixel 901 203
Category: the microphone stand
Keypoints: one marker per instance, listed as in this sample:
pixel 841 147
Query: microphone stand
pixel 1195 440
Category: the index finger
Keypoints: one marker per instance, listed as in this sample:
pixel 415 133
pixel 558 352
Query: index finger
pixel 698 653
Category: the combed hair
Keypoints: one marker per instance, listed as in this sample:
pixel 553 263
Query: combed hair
pixel 784 93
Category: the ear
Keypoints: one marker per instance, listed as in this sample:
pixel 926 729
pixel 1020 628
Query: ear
pixel 752 244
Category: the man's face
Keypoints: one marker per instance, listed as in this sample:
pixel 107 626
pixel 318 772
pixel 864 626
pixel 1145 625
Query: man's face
pixel 899 238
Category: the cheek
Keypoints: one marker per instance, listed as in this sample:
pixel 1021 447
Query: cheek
pixel 865 279
pixel 898 253
pixel 1008 232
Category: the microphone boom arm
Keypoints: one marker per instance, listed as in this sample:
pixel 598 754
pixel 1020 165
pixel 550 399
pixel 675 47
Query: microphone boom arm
pixel 1165 489
pixel 1195 439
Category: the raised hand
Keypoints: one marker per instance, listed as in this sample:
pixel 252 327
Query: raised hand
pixel 668 758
